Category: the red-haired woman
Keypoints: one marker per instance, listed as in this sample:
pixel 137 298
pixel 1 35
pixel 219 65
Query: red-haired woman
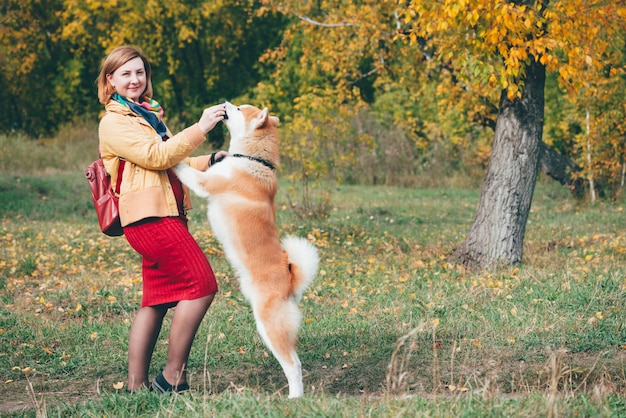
pixel 153 203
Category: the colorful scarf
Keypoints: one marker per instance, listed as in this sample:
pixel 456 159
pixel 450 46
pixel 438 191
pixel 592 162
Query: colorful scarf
pixel 150 110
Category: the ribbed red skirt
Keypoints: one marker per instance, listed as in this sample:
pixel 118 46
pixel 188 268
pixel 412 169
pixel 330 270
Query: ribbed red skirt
pixel 174 268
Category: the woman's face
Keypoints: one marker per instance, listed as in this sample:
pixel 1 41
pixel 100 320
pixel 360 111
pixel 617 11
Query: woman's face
pixel 130 79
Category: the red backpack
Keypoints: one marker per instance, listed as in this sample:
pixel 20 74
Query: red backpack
pixel 105 200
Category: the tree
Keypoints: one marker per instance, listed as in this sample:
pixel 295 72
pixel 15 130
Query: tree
pixel 32 62
pixel 513 42
pixel 497 233
pixel 331 56
pixel 201 51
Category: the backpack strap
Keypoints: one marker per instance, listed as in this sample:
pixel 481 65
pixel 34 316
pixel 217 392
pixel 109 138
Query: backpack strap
pixel 120 170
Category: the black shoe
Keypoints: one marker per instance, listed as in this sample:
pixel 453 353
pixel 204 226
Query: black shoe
pixel 161 385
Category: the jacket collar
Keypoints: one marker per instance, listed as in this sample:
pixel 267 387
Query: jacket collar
pixel 116 107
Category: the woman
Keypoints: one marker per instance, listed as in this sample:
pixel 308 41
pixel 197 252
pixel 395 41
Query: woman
pixel 176 273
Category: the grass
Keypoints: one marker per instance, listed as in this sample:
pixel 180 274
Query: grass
pixel 390 328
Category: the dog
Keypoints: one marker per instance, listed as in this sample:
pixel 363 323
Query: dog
pixel 273 273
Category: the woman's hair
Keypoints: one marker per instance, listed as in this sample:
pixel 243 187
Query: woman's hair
pixel 116 58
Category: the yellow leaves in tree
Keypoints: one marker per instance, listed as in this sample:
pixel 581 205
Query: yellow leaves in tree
pixel 472 17
pixel 505 36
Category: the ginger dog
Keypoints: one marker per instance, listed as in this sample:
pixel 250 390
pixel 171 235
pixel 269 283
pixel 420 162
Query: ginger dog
pixel 273 274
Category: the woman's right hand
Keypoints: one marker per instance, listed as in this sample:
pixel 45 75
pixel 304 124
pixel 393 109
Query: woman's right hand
pixel 211 116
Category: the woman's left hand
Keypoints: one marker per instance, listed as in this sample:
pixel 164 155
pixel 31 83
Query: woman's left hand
pixel 211 116
pixel 216 157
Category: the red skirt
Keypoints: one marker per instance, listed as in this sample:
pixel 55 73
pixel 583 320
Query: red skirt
pixel 174 268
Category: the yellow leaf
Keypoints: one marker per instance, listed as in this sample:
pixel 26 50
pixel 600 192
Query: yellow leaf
pixel 510 94
pixel 118 385
pixel 407 17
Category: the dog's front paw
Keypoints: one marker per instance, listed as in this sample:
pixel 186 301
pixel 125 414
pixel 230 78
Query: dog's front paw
pixel 179 168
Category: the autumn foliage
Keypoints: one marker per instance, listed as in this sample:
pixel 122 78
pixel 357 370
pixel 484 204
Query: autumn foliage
pixel 340 75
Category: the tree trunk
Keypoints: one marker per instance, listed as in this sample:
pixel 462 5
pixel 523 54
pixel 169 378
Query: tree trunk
pixel 592 187
pixel 497 233
pixel 560 168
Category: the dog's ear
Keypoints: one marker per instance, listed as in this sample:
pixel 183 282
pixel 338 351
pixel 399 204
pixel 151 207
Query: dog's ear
pixel 262 118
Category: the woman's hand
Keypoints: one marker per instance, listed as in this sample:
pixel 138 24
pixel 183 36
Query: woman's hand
pixel 211 116
pixel 218 156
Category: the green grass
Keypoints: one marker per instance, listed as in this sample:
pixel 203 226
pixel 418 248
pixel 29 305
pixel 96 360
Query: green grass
pixel 391 327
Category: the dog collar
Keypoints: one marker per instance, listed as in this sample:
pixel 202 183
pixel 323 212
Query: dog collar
pixel 258 160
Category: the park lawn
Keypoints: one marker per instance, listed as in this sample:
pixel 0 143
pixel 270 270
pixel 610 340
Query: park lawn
pixel 391 327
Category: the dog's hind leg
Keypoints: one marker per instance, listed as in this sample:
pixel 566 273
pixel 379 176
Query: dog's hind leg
pixel 278 322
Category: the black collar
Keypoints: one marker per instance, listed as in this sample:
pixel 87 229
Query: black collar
pixel 258 160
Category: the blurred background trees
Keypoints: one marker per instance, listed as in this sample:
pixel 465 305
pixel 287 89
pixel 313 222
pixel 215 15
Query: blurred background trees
pixel 371 91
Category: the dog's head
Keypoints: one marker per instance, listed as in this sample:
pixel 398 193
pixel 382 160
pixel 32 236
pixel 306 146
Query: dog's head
pixel 252 132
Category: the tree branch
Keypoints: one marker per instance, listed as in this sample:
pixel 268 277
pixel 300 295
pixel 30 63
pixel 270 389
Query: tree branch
pixel 324 25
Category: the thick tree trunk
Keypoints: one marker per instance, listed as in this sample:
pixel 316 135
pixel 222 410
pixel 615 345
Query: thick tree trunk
pixel 497 233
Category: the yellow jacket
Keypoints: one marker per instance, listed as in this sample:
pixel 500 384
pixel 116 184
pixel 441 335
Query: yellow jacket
pixel 145 190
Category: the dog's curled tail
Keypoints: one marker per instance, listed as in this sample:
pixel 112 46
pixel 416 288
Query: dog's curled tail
pixel 304 261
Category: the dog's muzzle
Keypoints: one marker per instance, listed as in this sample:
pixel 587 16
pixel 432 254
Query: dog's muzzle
pixel 225 114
